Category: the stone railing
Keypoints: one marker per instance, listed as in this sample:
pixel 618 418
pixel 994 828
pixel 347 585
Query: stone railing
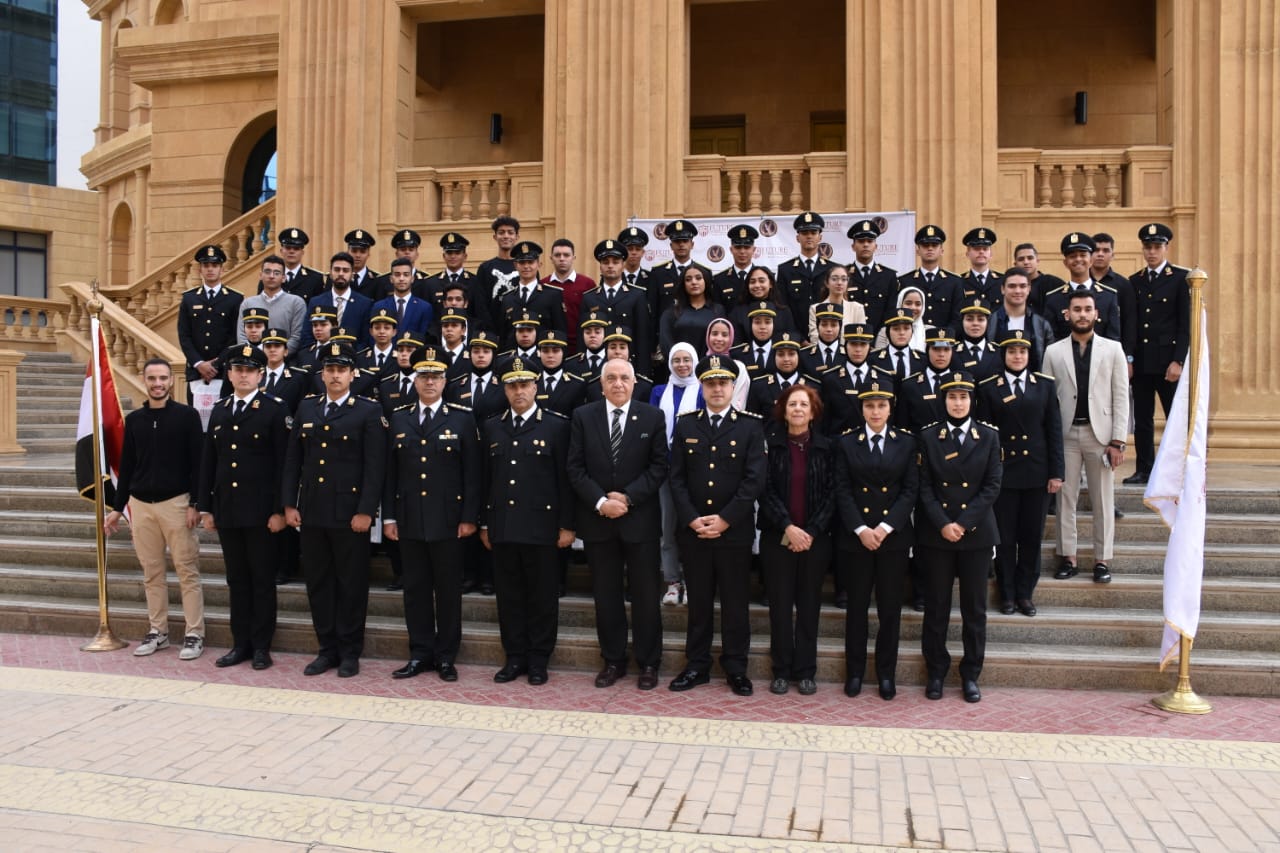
pixel 31 324
pixel 1140 176
pixel 466 194
pixel 764 184
pixel 154 297
pixel 130 342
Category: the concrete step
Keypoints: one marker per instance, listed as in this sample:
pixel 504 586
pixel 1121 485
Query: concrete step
pixel 46 470
pixel 1146 526
pixel 50 445
pixel 1029 665
pixel 47 417
pixel 1227 594
pixel 46 431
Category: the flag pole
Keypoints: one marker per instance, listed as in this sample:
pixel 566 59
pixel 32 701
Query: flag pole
pixel 105 640
pixel 1182 699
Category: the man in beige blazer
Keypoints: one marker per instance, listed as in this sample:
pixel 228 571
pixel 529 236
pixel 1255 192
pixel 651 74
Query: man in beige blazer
pixel 1093 396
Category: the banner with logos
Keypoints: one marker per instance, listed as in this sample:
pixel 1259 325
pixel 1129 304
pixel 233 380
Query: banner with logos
pixel 777 242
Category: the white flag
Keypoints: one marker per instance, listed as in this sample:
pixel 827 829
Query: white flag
pixel 1176 490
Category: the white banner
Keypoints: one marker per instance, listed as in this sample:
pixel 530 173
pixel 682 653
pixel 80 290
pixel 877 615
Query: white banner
pixel 895 248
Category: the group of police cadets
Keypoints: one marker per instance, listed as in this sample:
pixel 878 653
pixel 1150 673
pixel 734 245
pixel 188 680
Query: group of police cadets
pixel 434 411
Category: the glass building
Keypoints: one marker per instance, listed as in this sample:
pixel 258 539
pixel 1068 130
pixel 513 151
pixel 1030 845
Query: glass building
pixel 28 90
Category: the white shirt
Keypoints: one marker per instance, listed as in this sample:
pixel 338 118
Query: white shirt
pixel 340 401
pixel 422 407
pixel 1016 323
pixel 527 416
pixel 247 400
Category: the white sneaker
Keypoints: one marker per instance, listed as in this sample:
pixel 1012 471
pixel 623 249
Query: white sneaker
pixel 152 643
pixel 673 594
pixel 192 648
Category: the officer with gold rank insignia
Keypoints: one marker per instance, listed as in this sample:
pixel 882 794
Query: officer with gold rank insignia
pixel 625 304
pixel 666 278
pixel 322 321
pixel 332 486
pixel 396 387
pixel 897 356
pixel 767 387
pixel 480 389
pixel 842 385
pixel 430 505
pixel 240 474
pixel 254 321
pixel 453 249
pixel 364 383
pixel 527 517
pixel 1077 256
pixel 617 344
pixel 975 353
pixel 589 360
pixel 980 281
pixel 207 319
pixel 1023 406
pixel 528 296
pixel 943 294
pixel 634 241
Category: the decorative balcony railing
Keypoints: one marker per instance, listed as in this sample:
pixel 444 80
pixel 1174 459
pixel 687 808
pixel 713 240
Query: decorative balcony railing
pixel 1139 176
pixel 130 342
pixel 31 324
pixel 785 183
pixel 467 194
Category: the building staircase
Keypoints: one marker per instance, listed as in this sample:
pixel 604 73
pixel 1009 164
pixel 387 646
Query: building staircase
pixel 1085 635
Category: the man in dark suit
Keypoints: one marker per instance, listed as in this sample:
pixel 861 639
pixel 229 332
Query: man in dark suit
pixel 350 308
pixel 332 486
pixel 301 281
pixel 955 531
pixel 240 474
pixel 1164 325
pixel 943 294
pixel 718 472
pixel 625 305
pixel 870 283
pixel 430 504
pixel 801 277
pixel 207 319
pixel 528 515
pixel 617 461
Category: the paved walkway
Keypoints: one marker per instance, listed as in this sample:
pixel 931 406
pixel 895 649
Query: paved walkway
pixel 112 752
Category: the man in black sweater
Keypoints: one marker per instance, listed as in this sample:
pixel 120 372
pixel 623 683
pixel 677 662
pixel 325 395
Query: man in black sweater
pixel 159 473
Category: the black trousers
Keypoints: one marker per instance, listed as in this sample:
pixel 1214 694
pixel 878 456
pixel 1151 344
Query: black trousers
pixel 1020 515
pixel 794 582
pixel 525 578
pixel 335 563
pixel 288 546
pixel 942 568
pixel 608 560
pixel 477 561
pixel 885 572
pixel 711 566
pixel 432 598
pixel 251 581
pixel 1146 387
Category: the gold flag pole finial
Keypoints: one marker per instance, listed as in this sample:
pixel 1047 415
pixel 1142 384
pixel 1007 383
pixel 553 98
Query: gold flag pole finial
pixel 105 640
pixel 1182 699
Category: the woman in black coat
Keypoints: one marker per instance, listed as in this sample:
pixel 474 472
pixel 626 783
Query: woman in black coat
pixel 795 543
pixel 877 482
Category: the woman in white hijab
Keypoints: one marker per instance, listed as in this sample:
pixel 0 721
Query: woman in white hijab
pixel 912 299
pixel 681 394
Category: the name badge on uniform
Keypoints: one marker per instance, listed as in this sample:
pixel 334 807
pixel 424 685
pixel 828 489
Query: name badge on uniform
pixel 197 307
pixel 1008 399
pixel 952 455
pixel 400 435
pixel 691 441
pixel 308 426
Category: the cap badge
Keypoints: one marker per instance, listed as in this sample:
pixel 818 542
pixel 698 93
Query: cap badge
pixel 1151 229
pixel 335 349
pixel 808 217
pixel 431 353
pixel 517 365
pixel 875 386
pixel 1074 238
pixel 715 362
pixel 929 231
pixel 248 350
pixel 293 232
pixel 982 233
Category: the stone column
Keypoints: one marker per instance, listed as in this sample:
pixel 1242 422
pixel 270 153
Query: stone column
pixel 9 360
pixel 140 206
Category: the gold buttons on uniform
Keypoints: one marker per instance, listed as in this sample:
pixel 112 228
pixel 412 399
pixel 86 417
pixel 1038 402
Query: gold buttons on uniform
pixel 321 480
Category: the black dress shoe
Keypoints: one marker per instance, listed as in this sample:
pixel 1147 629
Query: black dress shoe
pixel 448 672
pixel 842 600
pixel 395 586
pixel 411 669
pixel 281 580
pixel 1118 512
pixel 469 586
pixel 1101 574
pixel 609 675
pixel 933 689
pixel 1066 570
pixel 537 675
pixel 779 686
pixel 349 667
pixel 233 657
pixel 918 605
pixel 1026 607
pixel 648 678
pixel 971 692
pixel 740 685
pixel 853 686
pixel 510 672
pixel 1007 608
pixel 887 689
pixel 807 687
pixel 688 680
pixel 1137 478
pixel 319 665
pixel 486 588
pixel 262 659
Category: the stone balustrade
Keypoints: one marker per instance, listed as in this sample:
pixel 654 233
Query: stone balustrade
pixel 31 324
pixel 764 184
pixel 468 194
pixel 1139 176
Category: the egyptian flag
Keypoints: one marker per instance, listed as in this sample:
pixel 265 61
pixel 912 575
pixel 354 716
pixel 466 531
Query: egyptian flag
pixel 112 427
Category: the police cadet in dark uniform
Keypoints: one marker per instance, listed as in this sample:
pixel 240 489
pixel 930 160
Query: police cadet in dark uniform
pixel 877 483
pixel 453 247
pixel 897 356
pixel 943 294
pixel 589 360
pixel 278 379
pixel 870 283
pixel 405 243
pixel 785 363
pixel 363 279
pixel 980 281
pixel 1023 406
pixel 430 505
pixel 955 531
pixel 841 386
pixel 527 516
pixel 301 281
pixel 528 296
pixel 617 344
pixel 919 402
pixel 730 284
pixel 254 320
pixel 626 305
pixel 718 472
pixel 322 321
pixel 395 389
pixel 332 486
pixel 633 274
pixel 827 353
pixel 1164 329
pixel 383 326
pixel 558 389
pixel 364 383
pixel 240 474
pixel 800 278
pixel 666 278
pixel 480 389
pixel 207 319
pixel 1077 256
pixel 975 353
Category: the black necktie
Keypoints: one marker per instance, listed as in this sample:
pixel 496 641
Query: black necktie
pixel 615 435
pixel 524 295
pixel 857 376
pixel 382 358
pixel 866 271
pixel 551 384
pixel 1151 276
pixel 829 357
pixel 426 417
pixel 404 386
pixel 399 311
pixel 479 392
pixel 609 294
pixel 453 278
pixel 1017 386
pixel 958 435
pixel 715 422
pixel 595 362
pixel 784 385
pixel 808 267
pixel 289 279
pixel 271 382
pixel 742 275
pixel 933 383
pixel 902 365
pixel 330 409
pixel 981 281
pixel 239 408
pixel 208 294
pixel 760 357
pixel 875 447
pixel 928 277
pixel 631 278
pixel 517 422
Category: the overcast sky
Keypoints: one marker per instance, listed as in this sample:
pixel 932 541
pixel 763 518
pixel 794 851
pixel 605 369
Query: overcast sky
pixel 79 67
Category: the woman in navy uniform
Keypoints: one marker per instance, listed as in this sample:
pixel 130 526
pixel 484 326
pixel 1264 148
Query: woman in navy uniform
pixel 956 529
pixel 1023 406
pixel 877 483
pixel 430 504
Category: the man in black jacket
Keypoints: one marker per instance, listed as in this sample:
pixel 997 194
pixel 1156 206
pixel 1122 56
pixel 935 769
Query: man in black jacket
pixel 617 461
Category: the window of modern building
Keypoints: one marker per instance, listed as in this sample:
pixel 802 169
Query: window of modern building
pixel 28 90
pixel 24 264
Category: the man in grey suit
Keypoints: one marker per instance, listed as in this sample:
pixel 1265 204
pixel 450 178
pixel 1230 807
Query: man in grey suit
pixel 1092 380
